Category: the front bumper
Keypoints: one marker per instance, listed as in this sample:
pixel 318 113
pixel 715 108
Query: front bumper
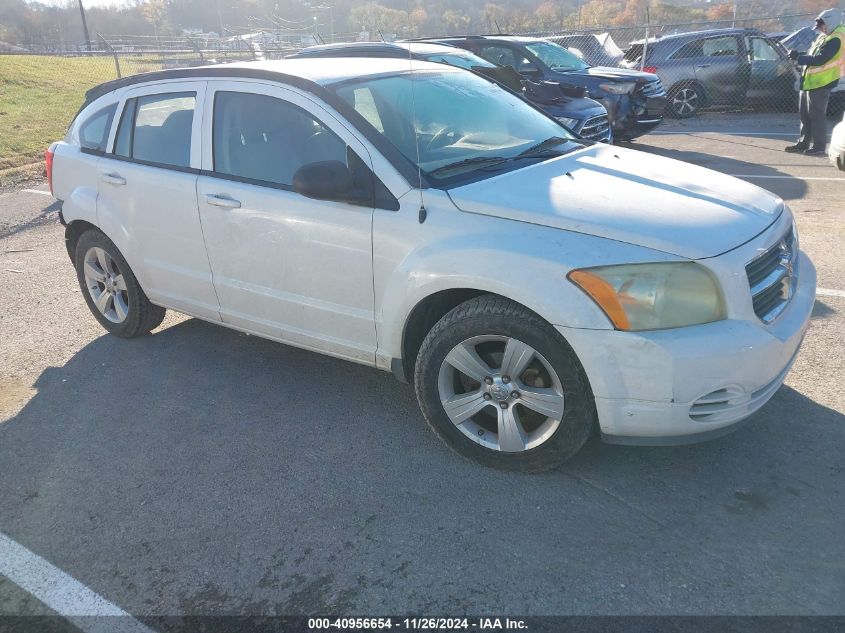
pixel 691 384
pixel 633 117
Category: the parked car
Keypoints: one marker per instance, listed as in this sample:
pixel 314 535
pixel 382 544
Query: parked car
pixel 718 67
pixel 802 40
pixel 597 49
pixel 836 150
pixel 586 117
pixel 530 284
pixel 634 100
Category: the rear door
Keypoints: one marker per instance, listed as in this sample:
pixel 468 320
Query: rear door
pixel 718 64
pixel 147 198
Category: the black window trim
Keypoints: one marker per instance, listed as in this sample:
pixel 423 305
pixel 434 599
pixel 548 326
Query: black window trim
pixel 150 163
pixel 379 202
pixel 738 40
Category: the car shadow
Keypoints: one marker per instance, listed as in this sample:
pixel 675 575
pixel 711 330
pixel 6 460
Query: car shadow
pixel 200 470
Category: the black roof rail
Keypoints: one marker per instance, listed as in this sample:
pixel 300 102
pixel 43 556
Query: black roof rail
pixel 445 37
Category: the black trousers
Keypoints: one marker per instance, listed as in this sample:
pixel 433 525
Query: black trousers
pixel 812 108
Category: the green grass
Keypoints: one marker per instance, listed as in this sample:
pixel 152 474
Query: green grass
pixel 39 95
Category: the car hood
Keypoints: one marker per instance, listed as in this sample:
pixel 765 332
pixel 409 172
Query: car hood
pixel 629 196
pixel 616 74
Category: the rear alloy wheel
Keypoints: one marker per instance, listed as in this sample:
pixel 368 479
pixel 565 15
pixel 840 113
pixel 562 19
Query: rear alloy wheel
pixel 111 291
pixel 685 102
pixel 503 387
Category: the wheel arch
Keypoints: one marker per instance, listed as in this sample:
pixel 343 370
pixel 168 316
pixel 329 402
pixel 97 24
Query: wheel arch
pixel 425 314
pixel 73 231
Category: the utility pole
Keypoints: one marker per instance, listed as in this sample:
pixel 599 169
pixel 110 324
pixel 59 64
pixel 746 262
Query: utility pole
pixel 85 26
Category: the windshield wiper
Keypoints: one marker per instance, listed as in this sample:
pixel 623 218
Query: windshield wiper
pixel 537 151
pixel 475 160
pixel 545 145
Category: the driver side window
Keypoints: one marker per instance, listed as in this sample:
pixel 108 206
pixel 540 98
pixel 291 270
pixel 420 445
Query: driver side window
pixel 762 50
pixel 506 56
pixel 257 137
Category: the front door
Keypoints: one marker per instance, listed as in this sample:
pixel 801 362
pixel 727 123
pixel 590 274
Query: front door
pixel 286 266
pixel 773 77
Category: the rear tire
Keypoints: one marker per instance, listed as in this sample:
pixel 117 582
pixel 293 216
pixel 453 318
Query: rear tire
pixel 530 422
pixel 110 288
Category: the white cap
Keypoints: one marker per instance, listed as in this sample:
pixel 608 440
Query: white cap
pixel 831 17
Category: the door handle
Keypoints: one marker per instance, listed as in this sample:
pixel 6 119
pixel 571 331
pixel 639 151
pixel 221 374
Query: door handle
pixel 113 178
pixel 219 200
pixel 702 65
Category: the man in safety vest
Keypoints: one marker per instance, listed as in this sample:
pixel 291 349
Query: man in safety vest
pixel 823 65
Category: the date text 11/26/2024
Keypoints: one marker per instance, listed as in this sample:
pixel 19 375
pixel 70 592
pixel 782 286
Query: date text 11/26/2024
pixel 416 624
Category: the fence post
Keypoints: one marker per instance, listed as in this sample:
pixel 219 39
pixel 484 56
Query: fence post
pixel 113 53
pixel 645 41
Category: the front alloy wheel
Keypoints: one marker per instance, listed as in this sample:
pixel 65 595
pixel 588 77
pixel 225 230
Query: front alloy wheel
pixel 502 387
pixel 501 393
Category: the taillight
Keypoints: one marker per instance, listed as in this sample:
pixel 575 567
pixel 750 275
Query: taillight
pixel 48 159
pixel 650 69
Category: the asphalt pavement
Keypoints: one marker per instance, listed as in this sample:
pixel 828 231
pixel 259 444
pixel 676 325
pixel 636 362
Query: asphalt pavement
pixel 203 471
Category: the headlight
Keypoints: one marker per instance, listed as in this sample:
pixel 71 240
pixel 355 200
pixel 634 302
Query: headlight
pixel 653 296
pixel 618 89
pixel 568 122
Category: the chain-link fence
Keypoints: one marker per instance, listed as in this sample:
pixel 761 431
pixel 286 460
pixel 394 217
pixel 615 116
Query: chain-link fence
pixel 718 66
pixel 736 65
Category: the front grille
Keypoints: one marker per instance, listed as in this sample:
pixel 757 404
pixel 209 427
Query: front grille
pixel 771 277
pixel 651 88
pixel 596 128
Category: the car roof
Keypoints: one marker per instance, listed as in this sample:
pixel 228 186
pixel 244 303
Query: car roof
pixel 309 74
pixel 420 48
pixel 696 34
pixel 522 39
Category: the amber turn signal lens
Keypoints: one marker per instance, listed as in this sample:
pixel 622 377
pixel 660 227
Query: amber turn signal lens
pixel 604 295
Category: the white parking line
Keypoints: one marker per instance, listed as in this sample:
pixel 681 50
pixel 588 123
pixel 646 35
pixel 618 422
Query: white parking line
pixel 65 595
pixel 658 133
pixel 41 191
pixel 785 177
pixel 827 292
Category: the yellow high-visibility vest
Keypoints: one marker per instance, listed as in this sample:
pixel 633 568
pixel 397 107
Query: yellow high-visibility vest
pixel 820 76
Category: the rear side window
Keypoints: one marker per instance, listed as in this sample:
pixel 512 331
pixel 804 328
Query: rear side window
pixel 157 129
pixel 720 47
pixel 263 138
pixel 94 133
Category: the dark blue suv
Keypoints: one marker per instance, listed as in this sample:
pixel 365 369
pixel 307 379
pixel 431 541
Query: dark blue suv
pixel 635 100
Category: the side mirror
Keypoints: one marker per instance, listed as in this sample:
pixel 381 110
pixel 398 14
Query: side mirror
pixel 327 180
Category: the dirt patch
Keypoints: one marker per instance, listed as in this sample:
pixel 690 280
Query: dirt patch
pixel 15 393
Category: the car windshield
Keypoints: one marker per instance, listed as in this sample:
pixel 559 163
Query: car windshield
pixel 464 125
pixel 556 57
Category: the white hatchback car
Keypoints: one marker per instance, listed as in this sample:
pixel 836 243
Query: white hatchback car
pixel 836 150
pixel 531 285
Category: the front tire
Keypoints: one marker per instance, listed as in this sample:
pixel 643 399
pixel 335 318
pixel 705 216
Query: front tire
pixel 110 288
pixel 502 387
